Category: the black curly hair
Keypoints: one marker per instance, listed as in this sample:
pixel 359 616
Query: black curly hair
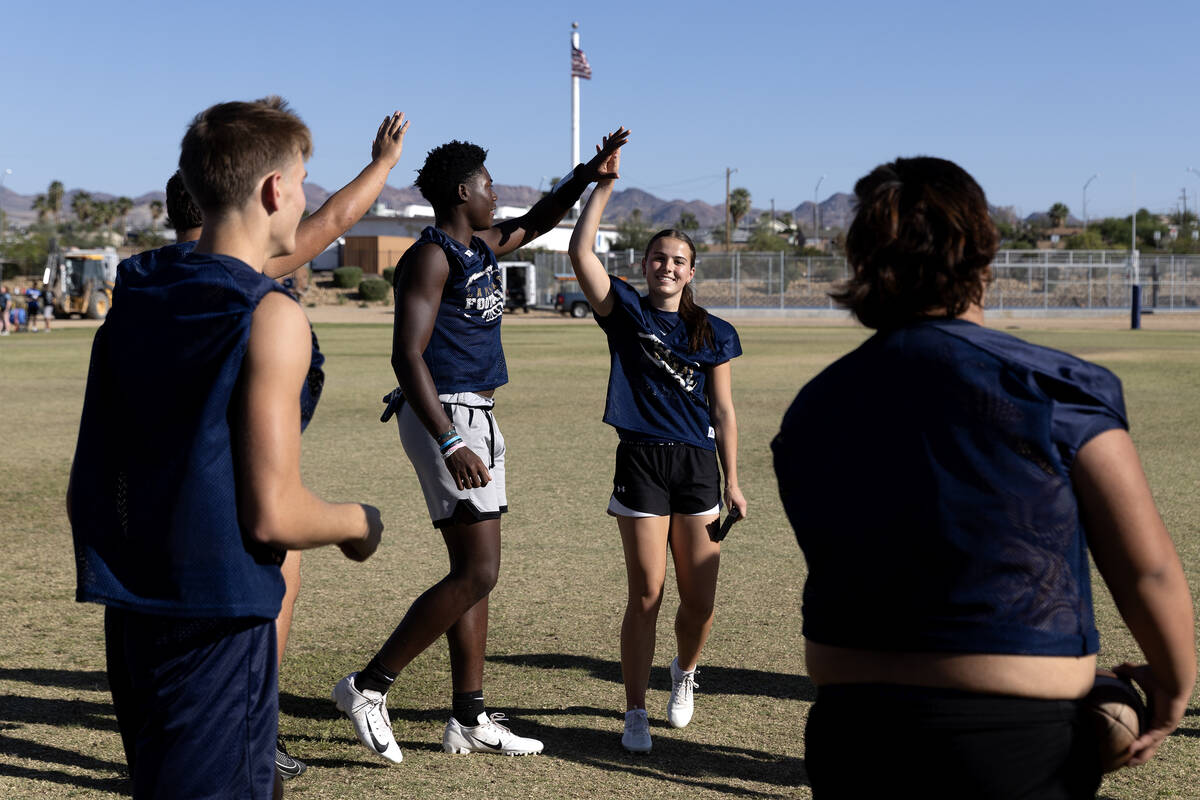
pixel 447 166
pixel 182 212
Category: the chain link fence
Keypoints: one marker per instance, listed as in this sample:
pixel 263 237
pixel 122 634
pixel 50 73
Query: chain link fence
pixel 1023 279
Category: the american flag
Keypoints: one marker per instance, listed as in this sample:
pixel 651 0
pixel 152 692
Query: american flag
pixel 579 64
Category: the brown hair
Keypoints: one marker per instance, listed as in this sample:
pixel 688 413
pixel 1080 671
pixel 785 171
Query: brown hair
pixel 695 318
pixel 920 244
pixel 229 147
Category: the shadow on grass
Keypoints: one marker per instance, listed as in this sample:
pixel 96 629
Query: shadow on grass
pixel 90 680
pixel 713 679
pixel 686 763
pixel 689 764
pixel 16 747
pixel 53 711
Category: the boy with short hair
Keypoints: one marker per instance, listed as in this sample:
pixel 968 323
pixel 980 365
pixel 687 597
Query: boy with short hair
pixel 186 488
pixel 448 360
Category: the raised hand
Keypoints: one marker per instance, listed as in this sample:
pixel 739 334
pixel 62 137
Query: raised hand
pixel 389 139
pixel 603 166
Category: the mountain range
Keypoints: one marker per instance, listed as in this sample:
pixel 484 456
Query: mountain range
pixel 836 210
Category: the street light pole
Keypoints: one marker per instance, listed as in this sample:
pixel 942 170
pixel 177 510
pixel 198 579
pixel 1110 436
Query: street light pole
pixel 817 210
pixel 1085 185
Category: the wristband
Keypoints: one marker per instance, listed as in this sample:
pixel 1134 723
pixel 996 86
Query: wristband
pixel 453 447
pixel 447 436
pixel 445 446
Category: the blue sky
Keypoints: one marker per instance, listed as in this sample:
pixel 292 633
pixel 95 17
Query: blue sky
pixel 1031 98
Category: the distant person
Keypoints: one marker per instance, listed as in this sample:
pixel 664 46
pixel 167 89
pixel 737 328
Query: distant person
pixel 47 307
pixel 670 397
pixel 181 510
pixel 6 305
pixel 946 483
pixel 316 232
pixel 33 308
pixel 448 360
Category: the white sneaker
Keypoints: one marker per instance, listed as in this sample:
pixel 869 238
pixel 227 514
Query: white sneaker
pixel 368 711
pixel 636 738
pixel 679 707
pixel 489 736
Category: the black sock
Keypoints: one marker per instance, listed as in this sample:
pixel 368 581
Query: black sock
pixel 467 707
pixel 375 676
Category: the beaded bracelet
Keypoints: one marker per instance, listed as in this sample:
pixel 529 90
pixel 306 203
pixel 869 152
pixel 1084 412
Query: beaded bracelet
pixel 454 446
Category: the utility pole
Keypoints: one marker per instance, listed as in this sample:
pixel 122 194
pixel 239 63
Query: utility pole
pixel 728 171
pixel 1085 185
pixel 817 211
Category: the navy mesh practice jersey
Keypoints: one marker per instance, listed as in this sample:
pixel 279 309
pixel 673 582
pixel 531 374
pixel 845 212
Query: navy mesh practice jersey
pixel 464 352
pixel 656 386
pixel 139 267
pixel 153 494
pixel 927 476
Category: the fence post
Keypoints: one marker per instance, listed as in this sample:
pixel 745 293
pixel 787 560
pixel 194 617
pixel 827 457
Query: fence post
pixel 737 268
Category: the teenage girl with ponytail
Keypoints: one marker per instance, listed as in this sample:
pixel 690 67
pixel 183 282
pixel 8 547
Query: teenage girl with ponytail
pixel 671 400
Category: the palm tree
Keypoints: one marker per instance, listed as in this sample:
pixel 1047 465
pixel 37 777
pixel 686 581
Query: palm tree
pixel 1058 214
pixel 687 221
pixel 83 207
pixel 54 197
pixel 156 211
pixel 42 206
pixel 121 207
pixel 739 205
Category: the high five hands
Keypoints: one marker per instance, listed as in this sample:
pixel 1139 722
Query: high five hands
pixel 603 166
pixel 389 139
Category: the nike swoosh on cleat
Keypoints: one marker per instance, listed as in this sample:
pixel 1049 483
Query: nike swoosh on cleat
pixel 379 746
pixel 499 745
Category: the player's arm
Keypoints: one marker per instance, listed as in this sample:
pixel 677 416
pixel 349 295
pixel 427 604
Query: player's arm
pixel 1138 561
pixel 347 205
pixel 273 504
pixel 507 236
pixel 724 422
pixel 419 289
pixel 593 278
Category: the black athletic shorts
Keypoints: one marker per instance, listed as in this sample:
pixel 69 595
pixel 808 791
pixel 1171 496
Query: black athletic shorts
pixel 874 740
pixel 662 479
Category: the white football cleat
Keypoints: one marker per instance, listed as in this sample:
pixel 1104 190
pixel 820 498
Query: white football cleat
pixel 368 711
pixel 489 736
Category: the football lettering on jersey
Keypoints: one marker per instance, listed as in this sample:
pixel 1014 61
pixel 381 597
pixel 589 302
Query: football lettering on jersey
pixel 659 354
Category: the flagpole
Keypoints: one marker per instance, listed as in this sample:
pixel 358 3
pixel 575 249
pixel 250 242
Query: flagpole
pixel 574 108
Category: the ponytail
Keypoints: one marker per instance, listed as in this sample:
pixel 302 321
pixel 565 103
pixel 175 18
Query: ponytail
pixel 699 330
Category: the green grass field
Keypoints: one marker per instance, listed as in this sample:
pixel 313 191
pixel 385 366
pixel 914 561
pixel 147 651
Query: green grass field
pixel 552 663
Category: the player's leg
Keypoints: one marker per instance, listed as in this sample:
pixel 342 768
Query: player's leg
pixel 287 765
pixel 644 540
pixel 695 498
pixel 697 561
pixel 474 551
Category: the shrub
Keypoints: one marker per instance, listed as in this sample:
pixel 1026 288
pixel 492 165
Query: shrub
pixel 347 277
pixel 389 275
pixel 374 289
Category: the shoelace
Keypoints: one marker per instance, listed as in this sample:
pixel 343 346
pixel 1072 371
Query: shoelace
pixel 495 719
pixel 687 684
pixel 638 723
pixel 376 705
